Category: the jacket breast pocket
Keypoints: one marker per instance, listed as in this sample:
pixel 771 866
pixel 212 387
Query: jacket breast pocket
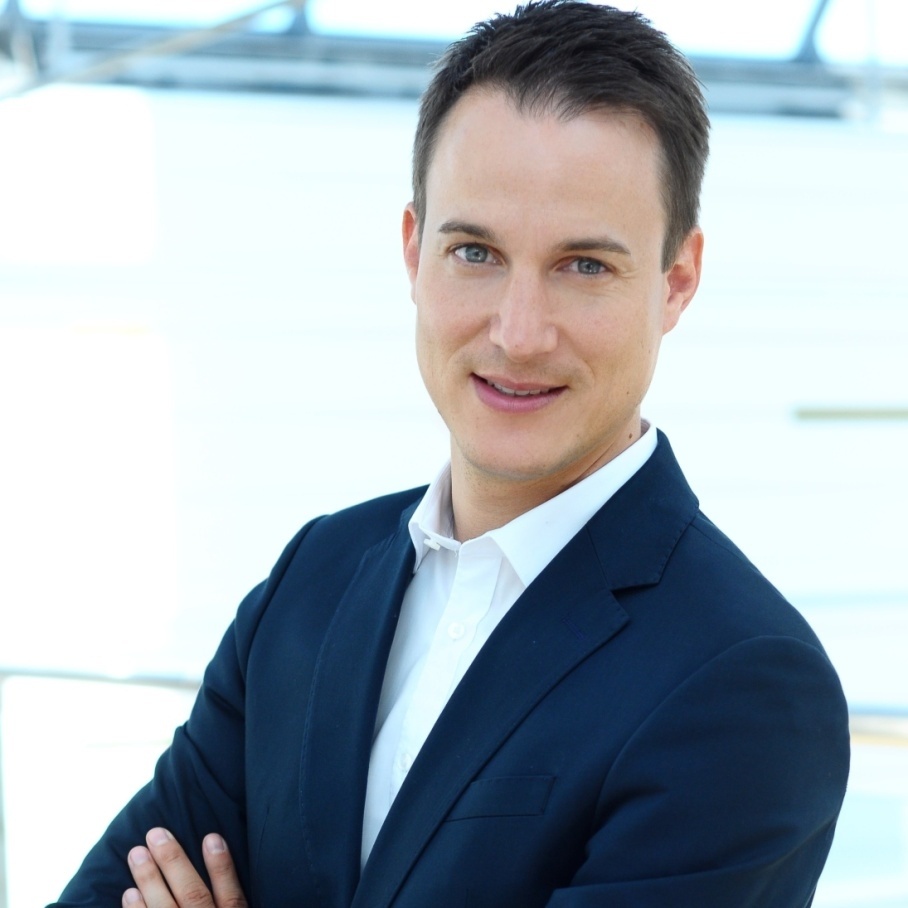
pixel 510 796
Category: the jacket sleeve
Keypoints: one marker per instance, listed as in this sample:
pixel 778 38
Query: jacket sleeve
pixel 199 782
pixel 727 796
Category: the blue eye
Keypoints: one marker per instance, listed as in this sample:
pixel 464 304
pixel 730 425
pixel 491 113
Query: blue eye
pixel 475 255
pixel 589 266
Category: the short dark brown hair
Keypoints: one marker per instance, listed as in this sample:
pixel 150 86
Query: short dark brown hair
pixel 570 58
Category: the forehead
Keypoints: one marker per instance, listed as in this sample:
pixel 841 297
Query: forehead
pixel 491 155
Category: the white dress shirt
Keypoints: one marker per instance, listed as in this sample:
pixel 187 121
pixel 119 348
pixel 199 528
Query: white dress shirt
pixel 459 593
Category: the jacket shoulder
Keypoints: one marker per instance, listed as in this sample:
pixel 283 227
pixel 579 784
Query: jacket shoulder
pixel 367 523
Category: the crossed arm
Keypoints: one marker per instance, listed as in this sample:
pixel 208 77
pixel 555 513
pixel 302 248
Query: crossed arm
pixel 165 877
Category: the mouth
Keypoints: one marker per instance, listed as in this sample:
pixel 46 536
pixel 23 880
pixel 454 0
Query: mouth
pixel 517 392
pixel 504 394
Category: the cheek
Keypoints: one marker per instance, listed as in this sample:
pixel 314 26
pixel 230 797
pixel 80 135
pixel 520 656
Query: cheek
pixel 445 323
pixel 437 344
pixel 425 346
pixel 431 332
pixel 620 352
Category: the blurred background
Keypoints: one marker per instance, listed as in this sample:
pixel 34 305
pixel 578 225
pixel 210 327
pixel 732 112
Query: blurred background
pixel 206 339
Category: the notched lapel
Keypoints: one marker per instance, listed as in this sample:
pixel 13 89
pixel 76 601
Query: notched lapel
pixel 637 529
pixel 340 719
pixel 564 615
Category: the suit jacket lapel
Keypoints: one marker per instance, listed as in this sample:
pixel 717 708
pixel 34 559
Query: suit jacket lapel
pixel 568 612
pixel 637 529
pixel 340 720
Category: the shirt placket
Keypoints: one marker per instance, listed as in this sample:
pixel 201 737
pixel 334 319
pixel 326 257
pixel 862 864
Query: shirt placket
pixel 469 601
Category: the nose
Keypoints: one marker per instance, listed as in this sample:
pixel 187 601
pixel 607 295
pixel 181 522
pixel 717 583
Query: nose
pixel 521 325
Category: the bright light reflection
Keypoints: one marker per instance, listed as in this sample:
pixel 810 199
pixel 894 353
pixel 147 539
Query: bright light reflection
pixel 852 31
pixel 87 499
pixel 404 18
pixel 77 178
pixel 772 28
pixel 865 31
pixel 197 14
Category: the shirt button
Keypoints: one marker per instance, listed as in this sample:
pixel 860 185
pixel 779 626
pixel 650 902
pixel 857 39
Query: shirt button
pixel 406 761
pixel 456 630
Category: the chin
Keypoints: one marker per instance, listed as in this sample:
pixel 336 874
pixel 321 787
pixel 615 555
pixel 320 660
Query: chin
pixel 516 469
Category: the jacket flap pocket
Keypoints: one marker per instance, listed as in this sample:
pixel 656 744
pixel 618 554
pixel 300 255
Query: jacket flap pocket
pixel 511 796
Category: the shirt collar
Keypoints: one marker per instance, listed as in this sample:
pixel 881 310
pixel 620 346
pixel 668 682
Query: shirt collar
pixel 432 524
pixel 529 542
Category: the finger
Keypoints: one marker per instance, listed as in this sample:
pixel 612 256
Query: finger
pixel 188 889
pixel 224 881
pixel 132 898
pixel 152 890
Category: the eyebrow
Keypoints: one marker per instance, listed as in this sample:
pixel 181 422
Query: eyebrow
pixel 481 233
pixel 580 244
pixel 595 244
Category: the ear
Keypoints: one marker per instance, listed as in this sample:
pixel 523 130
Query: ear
pixel 683 278
pixel 410 236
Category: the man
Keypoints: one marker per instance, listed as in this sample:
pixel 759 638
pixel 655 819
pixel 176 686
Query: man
pixel 549 679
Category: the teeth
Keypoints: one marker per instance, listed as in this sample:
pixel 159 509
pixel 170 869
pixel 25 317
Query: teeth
pixel 514 393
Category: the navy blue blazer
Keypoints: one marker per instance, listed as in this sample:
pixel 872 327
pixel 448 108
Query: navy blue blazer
pixel 651 725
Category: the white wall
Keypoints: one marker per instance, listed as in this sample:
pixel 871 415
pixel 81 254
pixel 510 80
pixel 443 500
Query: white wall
pixel 205 339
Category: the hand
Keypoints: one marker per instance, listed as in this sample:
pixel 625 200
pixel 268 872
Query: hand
pixel 166 878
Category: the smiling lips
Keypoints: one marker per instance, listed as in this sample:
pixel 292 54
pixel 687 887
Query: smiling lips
pixel 517 393
pixel 512 398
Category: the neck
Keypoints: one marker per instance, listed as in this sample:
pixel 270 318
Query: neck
pixel 478 510
pixel 483 501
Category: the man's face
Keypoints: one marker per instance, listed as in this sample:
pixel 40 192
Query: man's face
pixel 540 297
